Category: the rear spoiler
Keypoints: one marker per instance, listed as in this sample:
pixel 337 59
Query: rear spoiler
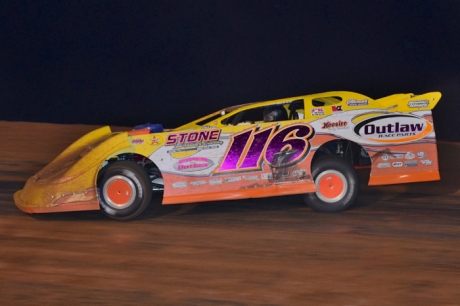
pixel 410 102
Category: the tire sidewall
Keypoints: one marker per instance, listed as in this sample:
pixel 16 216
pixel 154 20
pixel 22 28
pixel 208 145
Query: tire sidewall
pixel 330 162
pixel 139 178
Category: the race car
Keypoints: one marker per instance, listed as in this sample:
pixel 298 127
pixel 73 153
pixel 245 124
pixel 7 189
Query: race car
pixel 308 145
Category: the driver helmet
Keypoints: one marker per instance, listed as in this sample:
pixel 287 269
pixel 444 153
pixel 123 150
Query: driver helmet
pixel 275 113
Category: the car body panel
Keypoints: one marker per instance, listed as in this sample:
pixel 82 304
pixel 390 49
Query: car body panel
pixel 234 154
pixel 68 183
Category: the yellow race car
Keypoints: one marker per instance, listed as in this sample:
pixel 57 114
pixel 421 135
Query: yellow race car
pixel 307 145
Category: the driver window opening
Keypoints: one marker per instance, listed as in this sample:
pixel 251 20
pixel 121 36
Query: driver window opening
pixel 271 113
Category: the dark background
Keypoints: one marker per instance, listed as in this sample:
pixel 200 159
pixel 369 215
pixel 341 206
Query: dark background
pixel 131 62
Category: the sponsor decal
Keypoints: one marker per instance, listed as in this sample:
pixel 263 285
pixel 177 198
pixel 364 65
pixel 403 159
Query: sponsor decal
pixel 421 154
pixel 137 141
pixel 266 176
pixel 354 102
pixel 251 177
pixel 179 185
pixel 383 165
pixel 192 137
pixel 419 104
pixel 393 128
pixel 300 172
pixel 318 111
pixel 335 125
pixel 397 155
pixel 298 175
pixel 154 140
pixel 385 157
pixel 336 108
pixel 409 155
pixel 215 181
pixel 232 179
pixel 397 164
pixel 189 143
pixel 426 162
pixel 198 183
pixel 190 164
pixel 411 163
pixel 277 147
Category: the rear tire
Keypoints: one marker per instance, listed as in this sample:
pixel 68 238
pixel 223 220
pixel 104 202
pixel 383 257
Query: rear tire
pixel 336 183
pixel 124 190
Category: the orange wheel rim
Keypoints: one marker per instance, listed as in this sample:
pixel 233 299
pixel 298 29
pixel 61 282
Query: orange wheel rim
pixel 119 192
pixel 331 185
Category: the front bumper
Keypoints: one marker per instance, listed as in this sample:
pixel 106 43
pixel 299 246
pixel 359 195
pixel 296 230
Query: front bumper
pixel 68 183
pixel 86 200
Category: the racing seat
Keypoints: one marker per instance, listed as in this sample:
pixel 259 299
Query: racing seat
pixel 294 107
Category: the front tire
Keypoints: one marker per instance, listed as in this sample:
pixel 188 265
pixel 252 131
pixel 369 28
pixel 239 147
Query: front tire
pixel 124 189
pixel 336 183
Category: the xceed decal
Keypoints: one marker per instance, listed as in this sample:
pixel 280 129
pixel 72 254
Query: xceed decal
pixel 190 164
pixel 393 128
pixel 278 148
pixel 419 104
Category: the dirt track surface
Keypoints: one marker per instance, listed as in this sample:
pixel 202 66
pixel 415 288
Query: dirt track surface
pixel 398 246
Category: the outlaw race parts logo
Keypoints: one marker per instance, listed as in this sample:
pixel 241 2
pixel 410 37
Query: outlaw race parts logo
pixel 393 128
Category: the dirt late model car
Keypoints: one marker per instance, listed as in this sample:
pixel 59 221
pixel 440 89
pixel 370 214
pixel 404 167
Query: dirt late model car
pixel 307 145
